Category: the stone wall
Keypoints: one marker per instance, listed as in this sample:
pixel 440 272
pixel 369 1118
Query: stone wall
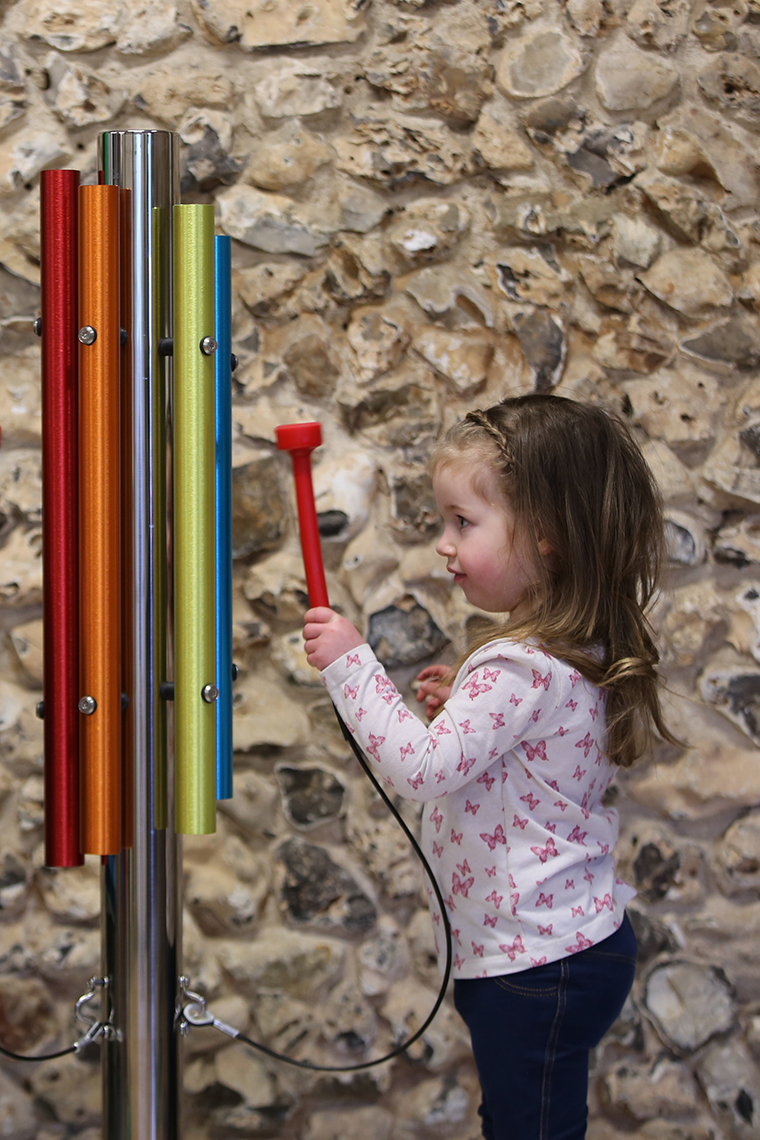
pixel 432 205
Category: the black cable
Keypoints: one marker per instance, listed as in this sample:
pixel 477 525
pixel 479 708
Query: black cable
pixel 446 930
pixel 45 1056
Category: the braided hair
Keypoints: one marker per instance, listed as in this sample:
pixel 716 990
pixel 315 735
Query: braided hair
pixel 576 480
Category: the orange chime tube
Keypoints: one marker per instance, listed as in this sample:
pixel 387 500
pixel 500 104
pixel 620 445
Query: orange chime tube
pixel 99 503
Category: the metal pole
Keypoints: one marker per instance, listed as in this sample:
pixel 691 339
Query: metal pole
pixel 141 921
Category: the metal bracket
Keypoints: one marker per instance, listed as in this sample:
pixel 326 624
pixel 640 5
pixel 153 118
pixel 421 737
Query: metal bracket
pixel 192 1012
pixel 95 1027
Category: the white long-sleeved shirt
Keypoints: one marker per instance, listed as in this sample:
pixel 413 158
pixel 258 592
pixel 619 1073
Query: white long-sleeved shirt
pixel 513 772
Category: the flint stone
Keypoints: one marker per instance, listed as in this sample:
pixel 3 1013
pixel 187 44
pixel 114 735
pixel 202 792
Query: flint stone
pixel 689 1004
pixel 208 162
pixel 378 340
pixel 634 242
pixel 13 885
pixel 499 143
pixel 383 847
pixel 71 1086
pixel 706 135
pixel 438 293
pixel 296 90
pixel 371 1123
pixel 655 869
pixel 435 1104
pixel 737 695
pixel 658 25
pixel 353 274
pixel 403 150
pixel 715 27
pixel 346 487
pixel 318 891
pixel 264 717
pixel 677 405
pixel 730 1079
pixel 404 634
pixel 628 79
pixel 258 508
pixel 281 961
pixel 738 856
pixel 289 654
pixel 684 539
pixel 151 26
pixel 23 161
pixel 361 209
pixel 168 93
pixel 277 23
pixel 237 1069
pixel 348 1022
pixel 27 1015
pixel 21 567
pixel 290 157
pixel 20 396
pixel 72 895
pixel 665 1089
pixel 463 357
pixel 739 544
pixel 78 96
pixel 542 339
pixel 735 341
pixel 220 903
pixel 406 1007
pixel 311 795
pixel 311 365
pixel 541 62
pixel 18 1118
pixel 609 286
pixel 529 275
pixel 623 349
pixel 383 956
pixel 269 222
pixel 82 26
pixel 369 560
pixel 732 82
pixel 278 584
pixel 586 16
pixel 413 507
pixel 428 229
pixel 401 409
pixel 263 288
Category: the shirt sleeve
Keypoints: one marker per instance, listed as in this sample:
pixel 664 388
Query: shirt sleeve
pixel 502 698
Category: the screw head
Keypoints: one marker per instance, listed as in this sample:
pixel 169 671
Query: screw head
pixel 39 710
pixel 210 693
pixel 87 335
pixel 209 346
pixel 87 705
pixel 37 326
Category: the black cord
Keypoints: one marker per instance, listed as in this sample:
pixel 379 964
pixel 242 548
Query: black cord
pixel 446 930
pixel 45 1056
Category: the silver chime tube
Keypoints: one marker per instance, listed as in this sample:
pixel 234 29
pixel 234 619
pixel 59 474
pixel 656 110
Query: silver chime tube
pixel 141 920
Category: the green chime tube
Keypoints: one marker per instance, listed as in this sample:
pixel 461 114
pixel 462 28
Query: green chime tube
pixel 195 688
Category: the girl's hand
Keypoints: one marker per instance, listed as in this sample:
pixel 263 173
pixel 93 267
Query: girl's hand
pixel 327 636
pixel 434 688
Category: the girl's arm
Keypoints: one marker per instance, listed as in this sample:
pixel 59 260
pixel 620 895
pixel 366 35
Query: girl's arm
pixel 435 683
pixel 327 636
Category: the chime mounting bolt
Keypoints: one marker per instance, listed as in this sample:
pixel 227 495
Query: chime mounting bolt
pixel 87 335
pixel 37 326
pixel 39 710
pixel 87 705
pixel 209 346
pixel 210 693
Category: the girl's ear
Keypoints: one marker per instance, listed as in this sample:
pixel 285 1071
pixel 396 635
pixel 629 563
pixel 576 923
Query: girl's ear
pixel 544 549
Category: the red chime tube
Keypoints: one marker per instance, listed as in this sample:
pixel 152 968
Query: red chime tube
pixel 300 440
pixel 60 557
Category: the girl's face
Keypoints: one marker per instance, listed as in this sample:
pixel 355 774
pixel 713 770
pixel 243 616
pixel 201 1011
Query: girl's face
pixel 486 552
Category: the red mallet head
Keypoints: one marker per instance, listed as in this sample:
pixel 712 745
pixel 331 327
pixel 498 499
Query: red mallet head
pixel 300 440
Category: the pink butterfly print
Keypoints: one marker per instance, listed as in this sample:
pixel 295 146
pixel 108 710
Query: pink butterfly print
pixel 515 700
pixel 461 886
pixel 569 884
pixel 490 920
pixel 490 871
pixel 545 900
pixel 512 882
pixel 588 876
pixel 493 754
pixel 577 910
pixel 374 744
pixel 417 782
pixel 484 778
pixel 497 900
pixel 456 837
pixel 575 678
pixel 571 704
pixel 466 727
pixel 513 950
pixel 404 714
pixel 360 713
pixel 437 819
pixel 498 720
pixel 504 775
pixel 547 852
pixel 463 868
pixel 539 681
pixel 383 683
pixel 465 765
pixel 562 731
pixel 353 659
pixel 594 712
pixel 577 836
pixel 532 753
pixel 538 961
pixel 474 808
pixel 521 823
pixel 440 729
pixel 474 688
pixel 514 899
pixel 604 848
pixel 531 800
pixel 477 950
pixel 552 827
pixel 579 772
pixel 534 716
pixel 349 692
pixel 553 785
pixel 600 904
pixel 497 837
pixel 440 776
pixel 458 962
pixel 407 750
pixel 437 850
pixel 582 944
pixel 545 929
pixel 455 935
pixel 490 674
pixel 586 744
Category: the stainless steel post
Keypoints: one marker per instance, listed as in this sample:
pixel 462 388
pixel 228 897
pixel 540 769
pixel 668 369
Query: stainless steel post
pixel 141 920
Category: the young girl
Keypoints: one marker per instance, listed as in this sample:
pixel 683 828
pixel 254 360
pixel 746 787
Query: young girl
pixel 550 516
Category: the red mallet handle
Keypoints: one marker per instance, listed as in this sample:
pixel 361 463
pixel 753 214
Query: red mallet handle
pixel 300 440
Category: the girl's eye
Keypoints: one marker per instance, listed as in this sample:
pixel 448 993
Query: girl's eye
pixel 462 522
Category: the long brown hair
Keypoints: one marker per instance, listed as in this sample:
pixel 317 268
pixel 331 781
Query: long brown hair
pixel 574 476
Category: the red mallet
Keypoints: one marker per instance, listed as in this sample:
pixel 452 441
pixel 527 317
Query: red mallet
pixel 300 440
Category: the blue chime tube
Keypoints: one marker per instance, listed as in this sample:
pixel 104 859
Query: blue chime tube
pixel 223 418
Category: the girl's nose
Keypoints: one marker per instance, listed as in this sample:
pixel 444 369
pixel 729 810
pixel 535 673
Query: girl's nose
pixel 445 546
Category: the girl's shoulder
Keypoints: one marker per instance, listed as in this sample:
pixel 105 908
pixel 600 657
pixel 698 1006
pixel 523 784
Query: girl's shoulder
pixel 526 654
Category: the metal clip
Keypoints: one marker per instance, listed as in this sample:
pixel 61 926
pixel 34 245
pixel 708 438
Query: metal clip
pixel 193 1012
pixel 95 1027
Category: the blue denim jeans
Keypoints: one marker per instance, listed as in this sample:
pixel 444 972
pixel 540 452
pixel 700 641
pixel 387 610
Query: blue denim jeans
pixel 532 1032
